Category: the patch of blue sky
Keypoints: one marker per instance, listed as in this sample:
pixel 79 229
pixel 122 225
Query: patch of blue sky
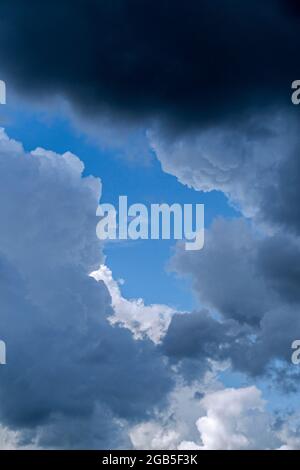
pixel 141 264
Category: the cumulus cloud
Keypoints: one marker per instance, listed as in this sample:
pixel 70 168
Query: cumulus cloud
pixel 225 274
pixel 152 436
pixel 142 320
pixel 254 163
pixel 248 281
pixel 67 367
pixel 247 272
pixel 234 419
pixel 228 419
pixel 176 422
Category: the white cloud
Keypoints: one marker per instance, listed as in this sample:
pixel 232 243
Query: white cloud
pixel 152 436
pixel 234 419
pixel 176 422
pixel 8 439
pixel 289 433
pixel 229 419
pixel 142 320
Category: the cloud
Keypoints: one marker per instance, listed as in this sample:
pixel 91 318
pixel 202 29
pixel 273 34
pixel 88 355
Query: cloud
pixel 196 342
pixel 225 274
pixel 205 62
pixel 254 163
pixel 153 436
pixel 67 368
pixel 142 320
pixel 247 272
pixel 289 432
pixel 8 439
pixel 176 422
pixel 212 83
pixel 249 282
pixel 75 380
pixel 228 419
pixel 234 419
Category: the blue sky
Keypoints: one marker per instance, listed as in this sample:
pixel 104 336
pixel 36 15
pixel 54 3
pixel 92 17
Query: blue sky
pixel 143 265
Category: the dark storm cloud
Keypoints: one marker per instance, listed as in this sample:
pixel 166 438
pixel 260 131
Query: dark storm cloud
pixel 193 339
pixel 279 262
pixel 191 61
pixel 244 277
pixel 224 273
pixel 200 336
pixel 278 200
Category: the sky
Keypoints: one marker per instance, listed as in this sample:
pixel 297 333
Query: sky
pixel 141 344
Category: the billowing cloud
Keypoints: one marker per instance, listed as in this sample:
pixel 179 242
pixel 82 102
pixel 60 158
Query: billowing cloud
pixel 254 163
pixel 225 274
pixel 234 419
pixel 228 419
pixel 248 281
pixel 176 422
pixel 67 368
pixel 247 272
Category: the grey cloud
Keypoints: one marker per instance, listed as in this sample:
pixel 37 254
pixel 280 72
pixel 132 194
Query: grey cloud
pixel 248 269
pixel 224 273
pixel 278 259
pixel 254 163
pixel 251 280
pixel 66 366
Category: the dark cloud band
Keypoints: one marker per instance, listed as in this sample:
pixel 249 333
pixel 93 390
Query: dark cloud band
pixel 190 61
